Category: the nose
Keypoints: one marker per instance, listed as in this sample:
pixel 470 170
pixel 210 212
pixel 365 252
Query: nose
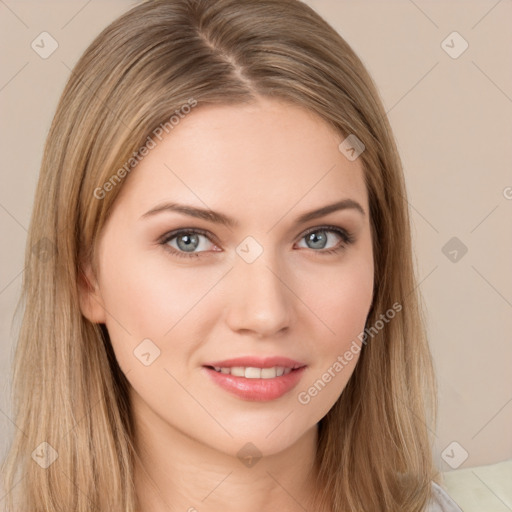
pixel 260 302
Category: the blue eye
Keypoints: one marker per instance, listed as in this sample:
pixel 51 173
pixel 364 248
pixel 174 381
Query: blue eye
pixel 186 242
pixel 318 237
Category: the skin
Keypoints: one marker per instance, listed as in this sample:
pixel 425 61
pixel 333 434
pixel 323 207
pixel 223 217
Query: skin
pixel 263 164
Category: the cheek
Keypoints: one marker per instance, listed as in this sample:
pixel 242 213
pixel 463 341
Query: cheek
pixel 341 299
pixel 146 299
pixel 342 310
pixel 132 297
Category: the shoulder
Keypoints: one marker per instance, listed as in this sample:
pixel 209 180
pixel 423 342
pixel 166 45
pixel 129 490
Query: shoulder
pixel 440 501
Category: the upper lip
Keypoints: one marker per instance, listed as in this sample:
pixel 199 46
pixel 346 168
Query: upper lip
pixel 257 362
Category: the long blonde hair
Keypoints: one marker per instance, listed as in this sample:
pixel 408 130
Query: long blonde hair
pixel 374 450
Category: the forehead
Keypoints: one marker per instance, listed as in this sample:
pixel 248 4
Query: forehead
pixel 267 154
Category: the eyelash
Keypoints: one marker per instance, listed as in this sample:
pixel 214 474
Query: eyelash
pixel 345 236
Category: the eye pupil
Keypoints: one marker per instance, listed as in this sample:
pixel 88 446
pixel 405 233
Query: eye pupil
pixel 318 241
pixel 190 244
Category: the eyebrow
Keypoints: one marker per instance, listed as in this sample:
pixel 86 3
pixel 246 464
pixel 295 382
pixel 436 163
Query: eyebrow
pixel 220 218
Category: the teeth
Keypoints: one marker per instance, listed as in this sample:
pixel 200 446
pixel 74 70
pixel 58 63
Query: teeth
pixel 268 373
pixel 238 371
pixel 254 373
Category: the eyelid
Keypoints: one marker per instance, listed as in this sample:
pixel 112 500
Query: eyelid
pixel 174 233
pixel 346 235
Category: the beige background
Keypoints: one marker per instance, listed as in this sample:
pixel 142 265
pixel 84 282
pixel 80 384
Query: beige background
pixel 452 120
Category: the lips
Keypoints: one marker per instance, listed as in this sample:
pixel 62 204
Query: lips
pixel 256 378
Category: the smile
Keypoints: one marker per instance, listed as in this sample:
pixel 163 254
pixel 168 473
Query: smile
pixel 250 372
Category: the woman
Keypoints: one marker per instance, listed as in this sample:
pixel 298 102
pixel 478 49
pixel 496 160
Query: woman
pixel 227 316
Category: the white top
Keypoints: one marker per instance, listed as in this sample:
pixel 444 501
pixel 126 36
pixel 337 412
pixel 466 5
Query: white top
pixel 441 502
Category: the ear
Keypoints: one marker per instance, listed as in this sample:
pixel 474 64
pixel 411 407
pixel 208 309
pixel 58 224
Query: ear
pixel 91 301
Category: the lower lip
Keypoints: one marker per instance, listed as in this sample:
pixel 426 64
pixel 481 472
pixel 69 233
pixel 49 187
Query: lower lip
pixel 256 389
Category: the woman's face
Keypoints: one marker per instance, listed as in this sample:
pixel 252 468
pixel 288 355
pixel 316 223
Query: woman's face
pixel 266 285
